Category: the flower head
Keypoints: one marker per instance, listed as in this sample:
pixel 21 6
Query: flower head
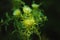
pixel 27 9
pixel 17 12
pixel 29 22
pixel 35 6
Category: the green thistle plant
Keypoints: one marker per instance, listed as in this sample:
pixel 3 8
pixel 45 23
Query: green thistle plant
pixel 25 21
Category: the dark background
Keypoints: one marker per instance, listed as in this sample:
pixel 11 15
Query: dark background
pixel 51 10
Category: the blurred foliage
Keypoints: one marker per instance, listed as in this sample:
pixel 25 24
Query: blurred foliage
pixel 23 21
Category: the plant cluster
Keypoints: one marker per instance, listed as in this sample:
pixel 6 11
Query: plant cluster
pixel 26 20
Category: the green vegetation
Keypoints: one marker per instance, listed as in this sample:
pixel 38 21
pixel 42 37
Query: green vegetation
pixel 25 21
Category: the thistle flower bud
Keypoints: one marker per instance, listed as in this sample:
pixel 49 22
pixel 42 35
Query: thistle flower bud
pixel 29 22
pixel 27 9
pixel 17 12
pixel 35 6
